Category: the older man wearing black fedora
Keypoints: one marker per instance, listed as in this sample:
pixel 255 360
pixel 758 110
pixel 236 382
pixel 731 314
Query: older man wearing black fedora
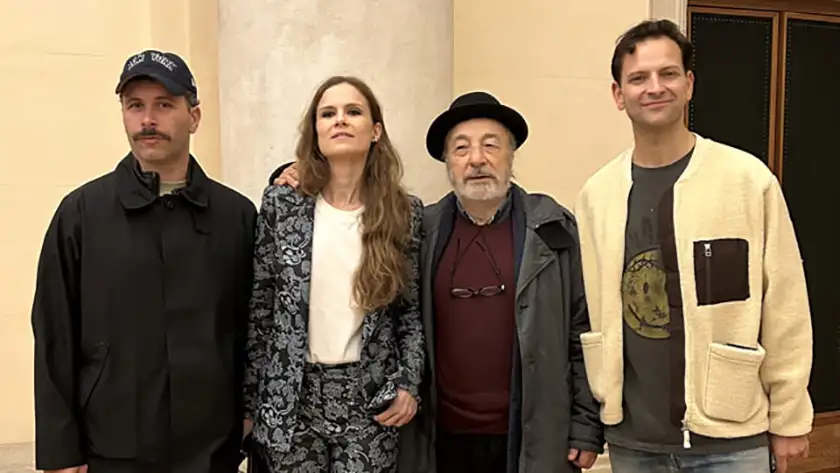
pixel 503 308
pixel 506 389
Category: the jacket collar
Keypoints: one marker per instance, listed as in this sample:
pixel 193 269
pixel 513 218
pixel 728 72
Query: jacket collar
pixel 701 147
pixel 502 213
pixel 138 189
pixel 536 214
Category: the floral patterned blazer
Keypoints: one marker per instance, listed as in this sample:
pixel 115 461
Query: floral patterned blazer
pixel 392 352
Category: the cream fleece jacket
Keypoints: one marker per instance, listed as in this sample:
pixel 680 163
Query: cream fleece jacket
pixel 748 341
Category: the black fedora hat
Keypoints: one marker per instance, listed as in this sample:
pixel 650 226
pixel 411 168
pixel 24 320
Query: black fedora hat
pixel 473 105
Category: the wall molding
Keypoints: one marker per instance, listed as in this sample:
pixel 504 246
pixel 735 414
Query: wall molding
pixel 674 10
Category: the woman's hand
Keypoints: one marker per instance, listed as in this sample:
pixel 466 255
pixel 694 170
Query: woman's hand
pixel 401 412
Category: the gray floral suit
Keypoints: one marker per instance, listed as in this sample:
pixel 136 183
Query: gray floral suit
pixel 392 354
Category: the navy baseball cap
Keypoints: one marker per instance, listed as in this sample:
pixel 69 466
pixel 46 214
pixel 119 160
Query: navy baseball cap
pixel 167 68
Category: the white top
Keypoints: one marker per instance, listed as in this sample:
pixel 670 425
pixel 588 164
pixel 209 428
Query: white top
pixel 335 321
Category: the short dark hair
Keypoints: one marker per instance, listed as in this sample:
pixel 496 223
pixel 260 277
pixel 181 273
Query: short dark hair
pixel 191 99
pixel 650 29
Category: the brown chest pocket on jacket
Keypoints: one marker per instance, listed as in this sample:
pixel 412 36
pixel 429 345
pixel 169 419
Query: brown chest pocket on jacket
pixel 721 270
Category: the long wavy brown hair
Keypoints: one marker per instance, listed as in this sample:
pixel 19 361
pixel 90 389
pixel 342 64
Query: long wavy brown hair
pixel 382 275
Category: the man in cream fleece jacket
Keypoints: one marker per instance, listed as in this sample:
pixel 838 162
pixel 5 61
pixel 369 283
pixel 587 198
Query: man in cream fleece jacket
pixel 700 350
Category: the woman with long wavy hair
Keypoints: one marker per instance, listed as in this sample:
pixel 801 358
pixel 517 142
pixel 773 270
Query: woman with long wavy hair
pixel 335 342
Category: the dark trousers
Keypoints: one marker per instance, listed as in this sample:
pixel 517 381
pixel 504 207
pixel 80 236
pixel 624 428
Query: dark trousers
pixel 462 453
pixel 335 432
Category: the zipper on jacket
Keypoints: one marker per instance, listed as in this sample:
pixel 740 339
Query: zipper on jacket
pixel 708 254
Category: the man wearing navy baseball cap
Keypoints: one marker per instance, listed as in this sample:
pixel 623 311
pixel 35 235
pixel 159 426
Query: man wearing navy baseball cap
pixel 166 68
pixel 142 299
pixel 164 81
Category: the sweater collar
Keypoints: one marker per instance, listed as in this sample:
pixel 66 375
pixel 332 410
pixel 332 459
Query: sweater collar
pixel 502 213
pixel 700 146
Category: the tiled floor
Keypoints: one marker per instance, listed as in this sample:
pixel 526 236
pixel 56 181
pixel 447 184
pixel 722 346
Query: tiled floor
pixel 16 458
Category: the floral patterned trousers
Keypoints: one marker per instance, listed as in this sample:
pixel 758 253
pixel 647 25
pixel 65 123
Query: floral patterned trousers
pixel 335 432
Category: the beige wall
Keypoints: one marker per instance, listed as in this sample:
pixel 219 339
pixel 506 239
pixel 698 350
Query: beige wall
pixel 60 126
pixel 551 61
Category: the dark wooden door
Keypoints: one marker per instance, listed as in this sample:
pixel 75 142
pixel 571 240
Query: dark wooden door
pixel 768 82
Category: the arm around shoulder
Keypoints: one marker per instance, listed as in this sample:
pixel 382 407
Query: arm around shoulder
pixel 785 322
pixel 276 173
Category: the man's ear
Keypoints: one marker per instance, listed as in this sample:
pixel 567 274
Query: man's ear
pixel 690 78
pixel 618 96
pixel 195 118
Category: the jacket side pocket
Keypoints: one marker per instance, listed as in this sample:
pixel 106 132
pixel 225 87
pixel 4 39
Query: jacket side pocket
pixel 733 387
pixel 593 359
pixel 91 373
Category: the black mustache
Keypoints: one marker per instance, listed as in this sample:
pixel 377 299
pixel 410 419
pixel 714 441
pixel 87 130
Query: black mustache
pixel 152 132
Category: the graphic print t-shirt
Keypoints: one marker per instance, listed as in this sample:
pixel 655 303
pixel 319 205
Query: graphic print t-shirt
pixel 653 394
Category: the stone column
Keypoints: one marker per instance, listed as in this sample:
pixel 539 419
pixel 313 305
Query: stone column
pixel 273 55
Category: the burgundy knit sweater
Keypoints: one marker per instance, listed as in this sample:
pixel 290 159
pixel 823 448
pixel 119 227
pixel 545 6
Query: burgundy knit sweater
pixel 474 336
